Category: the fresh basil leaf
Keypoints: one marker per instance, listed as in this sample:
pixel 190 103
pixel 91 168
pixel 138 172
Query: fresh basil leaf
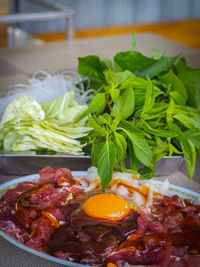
pixel 133 42
pixel 191 80
pixel 105 119
pixel 160 148
pixel 194 137
pixel 106 63
pixel 142 149
pixel 160 151
pixel 134 162
pixel 149 98
pixel 115 123
pixel 147 172
pixel 158 140
pixel 118 77
pixel 178 98
pixel 98 130
pixel 151 117
pixel 196 121
pixel 97 105
pixel 95 152
pixel 170 111
pixel 92 67
pixel 127 125
pixel 174 150
pixel 132 61
pixel 114 93
pixel 125 104
pixel 157 124
pixel 105 163
pixel 139 86
pixel 176 85
pixel 159 132
pixel 157 67
pixel 121 145
pixel 189 153
pixel 135 173
pixel 158 108
pixel 188 149
pixel 140 96
pixel 135 82
pixel 184 120
pixel 156 54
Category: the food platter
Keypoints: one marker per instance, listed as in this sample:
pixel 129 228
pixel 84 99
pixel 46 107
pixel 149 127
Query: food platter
pixel 182 192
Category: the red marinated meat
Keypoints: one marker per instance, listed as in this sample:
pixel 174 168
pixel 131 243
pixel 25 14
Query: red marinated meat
pixel 9 198
pixel 97 237
pixel 92 233
pixel 63 172
pixel 25 217
pixel 14 230
pixel 60 238
pixel 72 250
pixel 124 229
pixel 134 257
pixel 48 174
pixel 92 259
pixel 76 190
pixel 68 209
pixel 158 257
pixel 157 227
pixel 103 248
pixel 145 220
pixel 174 200
pixel 57 213
pixel 41 233
pixel 193 261
pixel 43 197
pixel 6 210
pixel 92 240
pixel 24 186
pixel 80 219
pixel 172 223
pixel 52 196
pixel 11 195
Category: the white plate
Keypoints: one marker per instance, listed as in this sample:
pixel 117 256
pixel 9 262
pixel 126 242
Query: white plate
pixel 182 192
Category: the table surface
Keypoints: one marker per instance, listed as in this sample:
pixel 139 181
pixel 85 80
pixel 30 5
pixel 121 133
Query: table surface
pixel 18 64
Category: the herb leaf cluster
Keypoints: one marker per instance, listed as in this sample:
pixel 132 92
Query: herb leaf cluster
pixel 145 108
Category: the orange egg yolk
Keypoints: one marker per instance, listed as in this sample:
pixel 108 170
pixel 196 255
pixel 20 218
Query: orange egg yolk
pixel 106 206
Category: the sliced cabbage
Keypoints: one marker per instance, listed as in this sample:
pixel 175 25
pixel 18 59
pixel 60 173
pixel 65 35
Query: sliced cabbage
pixel 52 128
pixel 56 109
pixel 23 108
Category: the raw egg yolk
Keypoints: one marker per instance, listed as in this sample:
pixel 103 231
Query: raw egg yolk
pixel 106 206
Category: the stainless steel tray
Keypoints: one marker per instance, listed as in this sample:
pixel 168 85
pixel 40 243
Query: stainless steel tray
pixel 23 163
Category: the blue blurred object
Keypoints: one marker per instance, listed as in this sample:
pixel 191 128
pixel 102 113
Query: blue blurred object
pixel 102 13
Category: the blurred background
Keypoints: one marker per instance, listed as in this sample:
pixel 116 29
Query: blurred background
pixel 178 20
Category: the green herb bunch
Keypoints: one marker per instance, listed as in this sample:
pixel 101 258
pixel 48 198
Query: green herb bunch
pixel 145 108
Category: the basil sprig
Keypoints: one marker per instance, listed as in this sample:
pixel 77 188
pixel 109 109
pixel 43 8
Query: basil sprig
pixel 145 108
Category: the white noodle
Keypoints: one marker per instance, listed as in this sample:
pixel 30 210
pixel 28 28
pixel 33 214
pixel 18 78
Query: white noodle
pixel 46 86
